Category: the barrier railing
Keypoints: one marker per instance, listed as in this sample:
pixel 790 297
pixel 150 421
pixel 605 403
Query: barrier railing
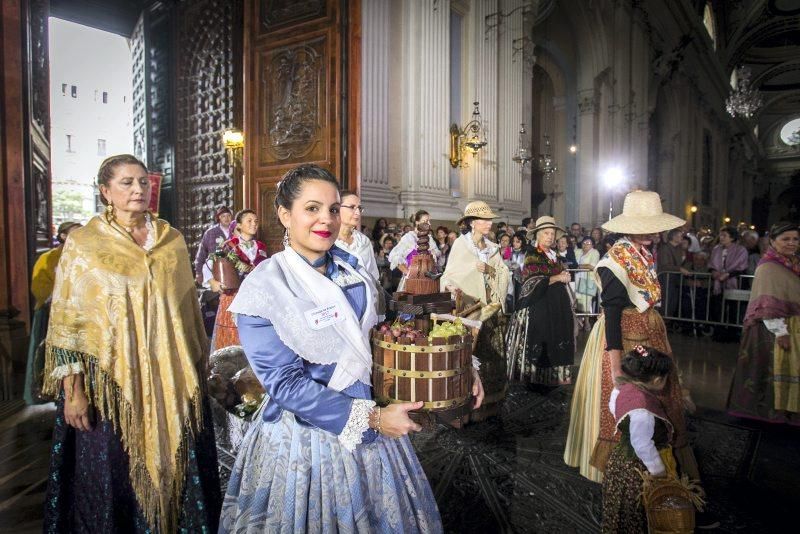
pixel 690 298
pixel 594 302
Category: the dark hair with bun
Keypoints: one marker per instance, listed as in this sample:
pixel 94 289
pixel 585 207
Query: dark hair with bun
pixel 110 164
pixel 645 366
pixel 782 227
pixel 418 215
pixel 292 183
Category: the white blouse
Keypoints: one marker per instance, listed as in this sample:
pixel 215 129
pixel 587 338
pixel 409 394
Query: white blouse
pixel 642 426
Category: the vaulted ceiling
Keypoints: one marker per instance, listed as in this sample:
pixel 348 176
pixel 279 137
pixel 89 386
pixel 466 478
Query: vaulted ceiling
pixel 765 35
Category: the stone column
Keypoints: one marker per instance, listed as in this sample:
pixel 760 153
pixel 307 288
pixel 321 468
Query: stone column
pixel 418 101
pixel 510 110
pixel 376 129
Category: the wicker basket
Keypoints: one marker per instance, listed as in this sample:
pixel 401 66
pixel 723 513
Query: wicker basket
pixel 669 508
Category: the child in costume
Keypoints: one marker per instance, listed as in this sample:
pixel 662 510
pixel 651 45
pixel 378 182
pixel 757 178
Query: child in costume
pixel 646 433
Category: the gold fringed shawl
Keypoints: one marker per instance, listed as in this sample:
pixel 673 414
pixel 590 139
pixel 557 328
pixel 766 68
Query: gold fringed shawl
pixel 131 319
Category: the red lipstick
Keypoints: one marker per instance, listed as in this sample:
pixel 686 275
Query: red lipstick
pixel 322 233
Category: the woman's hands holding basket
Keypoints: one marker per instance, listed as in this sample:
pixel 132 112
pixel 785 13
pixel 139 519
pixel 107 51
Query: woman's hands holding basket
pixel 393 421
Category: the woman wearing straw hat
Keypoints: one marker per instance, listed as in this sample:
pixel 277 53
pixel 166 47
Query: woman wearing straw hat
pixel 629 293
pixel 541 338
pixel 479 278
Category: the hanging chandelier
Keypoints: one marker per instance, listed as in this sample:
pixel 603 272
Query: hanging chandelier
pixel 546 160
pixel 523 154
pixel 744 101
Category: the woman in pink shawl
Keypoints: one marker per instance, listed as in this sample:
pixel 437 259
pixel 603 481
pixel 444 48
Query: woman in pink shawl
pixel 728 260
pixel 766 385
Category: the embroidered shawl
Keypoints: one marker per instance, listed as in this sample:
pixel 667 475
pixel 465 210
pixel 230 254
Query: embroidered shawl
pixel 637 272
pixel 130 320
pixel 775 293
pixel 462 272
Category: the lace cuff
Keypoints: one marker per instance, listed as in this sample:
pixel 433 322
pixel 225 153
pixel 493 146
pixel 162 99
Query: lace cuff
pixel 357 423
pixel 65 370
pixel 476 363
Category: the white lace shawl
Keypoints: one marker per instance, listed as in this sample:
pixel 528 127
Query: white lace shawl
pixel 284 287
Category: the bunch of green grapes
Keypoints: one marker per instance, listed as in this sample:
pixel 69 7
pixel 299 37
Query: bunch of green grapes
pixel 447 329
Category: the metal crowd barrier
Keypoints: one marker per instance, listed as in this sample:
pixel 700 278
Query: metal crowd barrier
pixel 595 303
pixel 690 298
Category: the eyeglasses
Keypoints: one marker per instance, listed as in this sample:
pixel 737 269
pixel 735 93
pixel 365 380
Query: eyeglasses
pixel 359 209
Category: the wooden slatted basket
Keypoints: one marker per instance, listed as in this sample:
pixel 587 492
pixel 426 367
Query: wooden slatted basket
pixel 437 372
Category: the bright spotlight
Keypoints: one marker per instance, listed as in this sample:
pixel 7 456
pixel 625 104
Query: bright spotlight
pixel 573 149
pixel 613 177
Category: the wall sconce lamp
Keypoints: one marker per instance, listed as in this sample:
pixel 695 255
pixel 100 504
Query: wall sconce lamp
pixel 726 220
pixel 523 154
pixel 471 138
pixel 233 141
pixel 693 209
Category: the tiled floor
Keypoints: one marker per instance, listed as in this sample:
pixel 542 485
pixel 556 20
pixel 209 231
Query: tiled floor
pixel 507 475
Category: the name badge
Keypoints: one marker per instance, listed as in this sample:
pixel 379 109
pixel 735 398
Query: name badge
pixel 324 316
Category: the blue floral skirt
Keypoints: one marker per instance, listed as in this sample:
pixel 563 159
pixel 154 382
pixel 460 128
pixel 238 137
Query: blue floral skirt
pixel 294 478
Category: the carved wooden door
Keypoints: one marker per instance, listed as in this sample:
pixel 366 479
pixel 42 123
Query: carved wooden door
pixel 37 136
pixel 301 92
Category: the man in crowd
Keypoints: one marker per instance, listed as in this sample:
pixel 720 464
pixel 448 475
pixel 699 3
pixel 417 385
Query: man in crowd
pixel 215 236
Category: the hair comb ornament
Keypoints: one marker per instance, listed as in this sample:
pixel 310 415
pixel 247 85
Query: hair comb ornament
pixel 642 351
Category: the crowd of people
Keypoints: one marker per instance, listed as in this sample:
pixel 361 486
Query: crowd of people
pixel 122 342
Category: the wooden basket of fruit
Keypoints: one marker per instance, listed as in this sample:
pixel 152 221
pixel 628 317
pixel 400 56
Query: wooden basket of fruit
pixel 435 367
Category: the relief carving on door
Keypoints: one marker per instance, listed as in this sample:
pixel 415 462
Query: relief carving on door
pixel 293 81
pixel 278 13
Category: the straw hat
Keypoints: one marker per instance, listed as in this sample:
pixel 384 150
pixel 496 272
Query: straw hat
pixel 542 223
pixel 642 214
pixel 477 210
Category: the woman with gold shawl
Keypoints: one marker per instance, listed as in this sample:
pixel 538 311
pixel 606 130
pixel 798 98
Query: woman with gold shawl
pixel 766 385
pixel 133 445
pixel 629 292
pixel 479 278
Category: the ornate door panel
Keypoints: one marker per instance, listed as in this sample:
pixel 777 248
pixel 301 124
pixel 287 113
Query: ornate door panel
pixel 37 149
pixel 296 81
pixel 153 69
pixel 208 101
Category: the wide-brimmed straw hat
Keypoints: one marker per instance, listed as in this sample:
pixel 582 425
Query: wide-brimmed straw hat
pixel 642 214
pixel 477 209
pixel 542 223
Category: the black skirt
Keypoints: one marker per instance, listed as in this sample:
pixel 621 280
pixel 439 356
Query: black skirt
pixel 89 489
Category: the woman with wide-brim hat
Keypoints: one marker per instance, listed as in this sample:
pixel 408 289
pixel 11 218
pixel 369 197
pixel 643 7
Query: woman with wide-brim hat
pixel 476 273
pixel 629 291
pixel 541 337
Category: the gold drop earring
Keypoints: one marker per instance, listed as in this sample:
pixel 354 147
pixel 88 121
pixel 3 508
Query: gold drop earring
pixel 110 215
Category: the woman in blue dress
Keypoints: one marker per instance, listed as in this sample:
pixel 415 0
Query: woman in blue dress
pixel 323 457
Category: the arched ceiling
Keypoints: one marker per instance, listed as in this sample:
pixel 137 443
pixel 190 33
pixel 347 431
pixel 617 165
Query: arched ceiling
pixel 765 36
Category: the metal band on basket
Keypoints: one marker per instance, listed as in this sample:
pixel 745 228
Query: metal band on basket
pixel 418 348
pixel 447 403
pixel 407 373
